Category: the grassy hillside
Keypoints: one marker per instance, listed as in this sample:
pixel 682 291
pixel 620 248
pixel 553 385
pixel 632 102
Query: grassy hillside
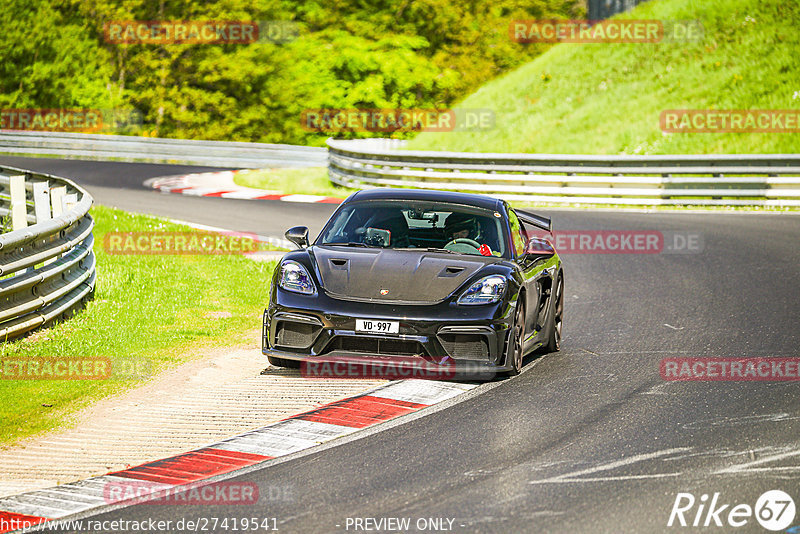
pixel 607 98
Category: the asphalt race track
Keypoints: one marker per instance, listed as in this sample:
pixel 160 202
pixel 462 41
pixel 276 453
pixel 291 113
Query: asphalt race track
pixel 120 185
pixel 590 439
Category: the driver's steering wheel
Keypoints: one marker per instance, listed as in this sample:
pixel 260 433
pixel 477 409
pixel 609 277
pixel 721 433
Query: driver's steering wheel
pixel 465 240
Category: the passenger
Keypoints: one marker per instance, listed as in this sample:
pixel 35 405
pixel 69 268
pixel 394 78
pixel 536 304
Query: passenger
pixel 397 225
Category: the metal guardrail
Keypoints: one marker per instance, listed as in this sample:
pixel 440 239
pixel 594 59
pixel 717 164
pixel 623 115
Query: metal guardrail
pixel 47 269
pixel 157 150
pixel 721 180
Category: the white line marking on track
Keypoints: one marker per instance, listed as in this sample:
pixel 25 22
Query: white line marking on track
pixel 749 466
pixel 571 477
pixel 285 437
pixel 302 198
pixel 422 391
pixel 201 191
pixel 245 194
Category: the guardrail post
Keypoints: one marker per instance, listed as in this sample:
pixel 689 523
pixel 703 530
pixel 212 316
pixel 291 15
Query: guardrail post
pixel 717 175
pixel 57 195
pixel 19 207
pixel 68 201
pixel 41 206
pixel 41 201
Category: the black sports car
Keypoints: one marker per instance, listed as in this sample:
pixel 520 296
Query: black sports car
pixel 447 278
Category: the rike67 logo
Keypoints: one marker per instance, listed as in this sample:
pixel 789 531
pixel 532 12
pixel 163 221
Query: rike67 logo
pixel 774 510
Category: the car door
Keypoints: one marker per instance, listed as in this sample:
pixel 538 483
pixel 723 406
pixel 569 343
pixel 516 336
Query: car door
pixel 519 238
pixel 538 282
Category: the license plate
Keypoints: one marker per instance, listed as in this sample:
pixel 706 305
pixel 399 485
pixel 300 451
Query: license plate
pixel 376 326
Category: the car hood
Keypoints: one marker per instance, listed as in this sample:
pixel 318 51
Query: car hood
pixel 393 275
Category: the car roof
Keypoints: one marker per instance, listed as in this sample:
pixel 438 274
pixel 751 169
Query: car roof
pixel 481 201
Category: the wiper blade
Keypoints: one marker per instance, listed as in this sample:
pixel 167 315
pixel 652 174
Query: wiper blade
pixel 434 249
pixel 350 244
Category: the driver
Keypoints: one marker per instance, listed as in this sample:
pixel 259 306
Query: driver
pixel 462 225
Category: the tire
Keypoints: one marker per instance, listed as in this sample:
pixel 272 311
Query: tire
pixel 281 362
pixel 514 350
pixel 556 318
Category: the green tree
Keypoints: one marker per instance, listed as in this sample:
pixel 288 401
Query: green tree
pixel 348 54
pixel 50 58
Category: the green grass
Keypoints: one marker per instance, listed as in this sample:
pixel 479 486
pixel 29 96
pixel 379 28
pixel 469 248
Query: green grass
pixel 158 308
pixel 306 181
pixel 607 98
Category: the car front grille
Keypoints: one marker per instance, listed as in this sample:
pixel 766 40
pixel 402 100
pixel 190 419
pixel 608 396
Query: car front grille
pixel 465 346
pixel 374 345
pixel 295 335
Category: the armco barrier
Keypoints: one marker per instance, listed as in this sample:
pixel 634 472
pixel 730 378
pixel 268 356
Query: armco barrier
pixel 158 150
pixel 721 180
pixel 47 267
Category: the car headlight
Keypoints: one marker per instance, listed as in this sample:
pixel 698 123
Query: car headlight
pixel 487 290
pixel 294 277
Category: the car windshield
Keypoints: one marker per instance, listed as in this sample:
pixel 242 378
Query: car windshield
pixel 402 224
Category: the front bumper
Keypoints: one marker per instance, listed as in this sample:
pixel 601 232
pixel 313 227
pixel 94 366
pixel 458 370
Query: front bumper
pixel 307 328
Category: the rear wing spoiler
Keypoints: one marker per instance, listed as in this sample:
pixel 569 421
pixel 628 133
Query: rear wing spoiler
pixel 536 220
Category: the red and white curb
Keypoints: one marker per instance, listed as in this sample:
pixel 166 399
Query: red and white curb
pixel 284 437
pixel 221 184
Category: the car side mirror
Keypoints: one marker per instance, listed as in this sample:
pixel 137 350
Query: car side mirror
pixel 539 248
pixel 298 235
